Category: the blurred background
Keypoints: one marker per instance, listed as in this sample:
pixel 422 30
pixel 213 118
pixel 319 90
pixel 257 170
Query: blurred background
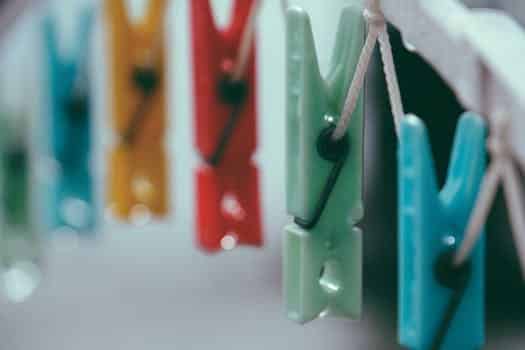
pixel 145 284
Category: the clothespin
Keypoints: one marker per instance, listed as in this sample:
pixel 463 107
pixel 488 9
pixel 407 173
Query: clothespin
pixel 138 170
pixel 70 122
pixel 20 249
pixel 323 247
pixel 441 303
pixel 228 208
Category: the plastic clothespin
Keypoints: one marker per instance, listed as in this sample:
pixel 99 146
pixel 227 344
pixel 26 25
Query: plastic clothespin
pixel 441 305
pixel 70 125
pixel 138 170
pixel 322 248
pixel 20 249
pixel 228 208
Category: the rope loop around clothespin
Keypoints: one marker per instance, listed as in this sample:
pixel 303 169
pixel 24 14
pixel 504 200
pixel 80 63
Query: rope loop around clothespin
pixel 501 171
pixel 377 32
pixel 373 15
pixel 373 6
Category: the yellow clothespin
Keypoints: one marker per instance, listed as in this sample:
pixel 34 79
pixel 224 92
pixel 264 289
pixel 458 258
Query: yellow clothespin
pixel 138 172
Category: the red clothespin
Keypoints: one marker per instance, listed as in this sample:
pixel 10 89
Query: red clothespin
pixel 228 209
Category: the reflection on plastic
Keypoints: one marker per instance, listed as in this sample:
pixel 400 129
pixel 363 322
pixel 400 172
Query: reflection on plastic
pixel 75 212
pixel 20 281
pixel 140 215
pixel 228 242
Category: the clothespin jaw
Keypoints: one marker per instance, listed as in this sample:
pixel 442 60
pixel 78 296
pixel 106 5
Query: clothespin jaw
pixel 138 170
pixel 69 120
pixel 431 227
pixel 215 52
pixel 322 248
pixel 227 182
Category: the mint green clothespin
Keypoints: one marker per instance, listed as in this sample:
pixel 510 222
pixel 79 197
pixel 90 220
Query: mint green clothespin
pixel 322 248
pixel 19 244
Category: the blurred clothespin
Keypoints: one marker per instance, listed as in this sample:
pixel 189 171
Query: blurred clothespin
pixel 441 303
pixel 19 244
pixel 138 170
pixel 70 124
pixel 323 247
pixel 228 208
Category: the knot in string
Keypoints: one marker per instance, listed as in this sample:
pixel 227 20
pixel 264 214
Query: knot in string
pixel 497 147
pixel 497 142
pixel 374 17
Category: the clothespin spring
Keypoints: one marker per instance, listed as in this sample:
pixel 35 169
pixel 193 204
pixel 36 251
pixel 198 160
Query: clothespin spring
pixel 234 93
pixel 232 89
pixel 332 151
pixel 147 80
pixel 456 279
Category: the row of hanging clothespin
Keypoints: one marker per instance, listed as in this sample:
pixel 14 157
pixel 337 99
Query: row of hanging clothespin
pixel 441 258
pixel 227 183
pixel 228 207
pixel 68 195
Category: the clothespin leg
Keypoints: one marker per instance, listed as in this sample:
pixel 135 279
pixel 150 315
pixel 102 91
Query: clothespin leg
pixel 228 207
pixel 321 278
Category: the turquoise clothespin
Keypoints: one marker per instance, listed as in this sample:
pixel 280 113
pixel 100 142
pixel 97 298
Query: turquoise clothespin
pixel 441 306
pixel 70 122
pixel 20 250
pixel 322 248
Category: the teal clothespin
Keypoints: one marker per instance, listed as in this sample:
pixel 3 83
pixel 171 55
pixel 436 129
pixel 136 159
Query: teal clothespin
pixel 19 244
pixel 69 120
pixel 441 305
pixel 322 248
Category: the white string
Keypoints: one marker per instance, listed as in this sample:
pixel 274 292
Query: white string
pixel 357 83
pixel 514 200
pixel 488 190
pixel 501 171
pixel 391 79
pixel 377 32
pixel 285 4
pixel 246 43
